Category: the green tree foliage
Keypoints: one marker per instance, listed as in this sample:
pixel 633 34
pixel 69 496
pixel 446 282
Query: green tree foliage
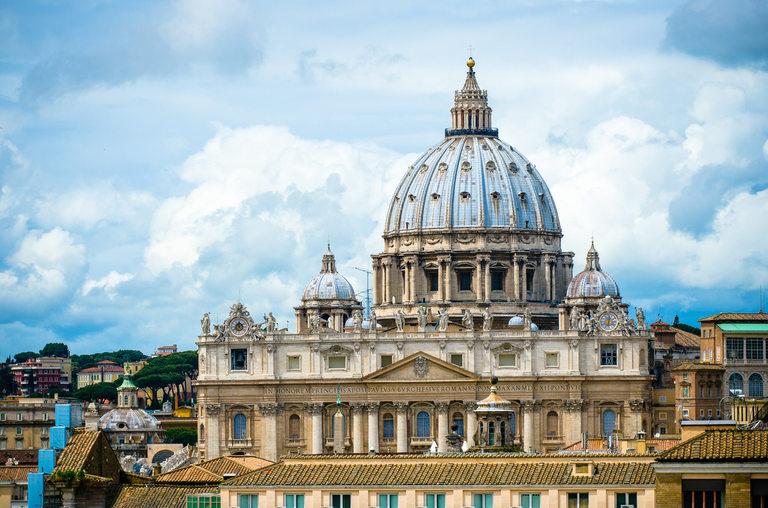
pixel 98 391
pixel 167 375
pixel 181 435
pixel 24 356
pixel 676 321
pixel 80 362
pixel 58 349
pixel 7 383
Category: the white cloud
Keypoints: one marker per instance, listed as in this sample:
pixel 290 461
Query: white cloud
pixel 108 283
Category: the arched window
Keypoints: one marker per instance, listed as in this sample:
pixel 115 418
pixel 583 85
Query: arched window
pixel 609 422
pixel 552 427
pixel 736 384
pixel 422 424
pixel 755 385
pixel 503 433
pixel 491 434
pixel 294 427
pixel 239 426
pixel 458 419
pixel 388 426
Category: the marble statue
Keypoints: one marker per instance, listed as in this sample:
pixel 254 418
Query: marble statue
pixel 640 318
pixel 314 322
pixel 527 320
pixel 575 319
pixel 421 317
pixel 442 320
pixel 467 321
pixel 271 323
pixel 357 319
pixel 400 320
pixel 487 320
pixel 372 321
pixel 205 322
pixel 218 332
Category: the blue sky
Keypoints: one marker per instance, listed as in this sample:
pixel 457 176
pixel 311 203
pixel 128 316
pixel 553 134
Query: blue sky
pixel 163 159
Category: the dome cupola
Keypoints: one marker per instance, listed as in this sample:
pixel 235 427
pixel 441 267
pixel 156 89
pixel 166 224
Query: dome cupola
pixel 593 282
pixel 328 284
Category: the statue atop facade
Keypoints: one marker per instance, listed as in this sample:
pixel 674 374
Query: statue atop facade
pixel 575 319
pixel 400 320
pixel 372 324
pixel 314 322
pixel 442 320
pixel 466 320
pixel 205 322
pixel 357 319
pixel 592 326
pixel 640 318
pixel 421 317
pixel 527 320
pixel 487 320
pixel 218 332
pixel 271 323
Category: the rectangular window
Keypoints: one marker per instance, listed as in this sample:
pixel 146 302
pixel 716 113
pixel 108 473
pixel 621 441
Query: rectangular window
pixel 2 431
pixel 701 413
pixel 19 431
pixel 685 391
pixel 294 501
pixel 388 428
pixel 552 359
pixel 238 357
pixel 337 362
pixel 734 348
pixel 434 281
pixel 19 416
pixel 662 430
pixel 608 355
pixel 386 361
pixel 754 349
pixel 709 413
pixel 507 360
pixel 434 500
pixel 530 500
pixel 387 500
pixel 465 281
pixel 248 501
pixel 482 501
pixel 2 417
pixel 497 280
pixel 626 499
pixel 685 413
pixel 662 398
pixel 19 444
pixel 44 431
pixel 662 416
pixel 457 359
pixel 703 493
pixel 294 363
pixel 578 500
pixel 341 501
pixel 45 417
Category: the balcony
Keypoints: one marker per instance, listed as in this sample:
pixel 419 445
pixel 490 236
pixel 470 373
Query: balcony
pixel 422 441
pixel 240 443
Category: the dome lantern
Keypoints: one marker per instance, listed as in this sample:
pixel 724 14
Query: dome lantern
pixel 471 113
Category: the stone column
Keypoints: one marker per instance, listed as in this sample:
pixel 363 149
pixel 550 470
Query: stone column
pixel 442 425
pixel 548 277
pixel 385 290
pixel 338 431
pixel 357 427
pixel 270 411
pixel 376 289
pixel 441 278
pixel 529 407
pixel 573 408
pixel 373 426
pixel 487 276
pixel 516 270
pixel 524 282
pixel 471 427
pixel 478 281
pixel 448 280
pixel 412 264
pixel 401 408
pixel 212 431
pixel 573 356
pixel 404 293
pixel 635 421
pixel 315 410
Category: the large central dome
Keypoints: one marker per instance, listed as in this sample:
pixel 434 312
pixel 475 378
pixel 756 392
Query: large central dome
pixel 472 229
pixel 472 182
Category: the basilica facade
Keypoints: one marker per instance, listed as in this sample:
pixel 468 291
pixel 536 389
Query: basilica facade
pixel 472 284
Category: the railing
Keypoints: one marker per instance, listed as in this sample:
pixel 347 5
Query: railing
pixel 421 441
pixel 240 443
pixel 465 132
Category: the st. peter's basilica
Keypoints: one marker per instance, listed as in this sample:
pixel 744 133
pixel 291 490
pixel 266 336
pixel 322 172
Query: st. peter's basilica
pixel 471 284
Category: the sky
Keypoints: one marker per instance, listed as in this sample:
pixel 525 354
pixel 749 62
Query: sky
pixel 162 159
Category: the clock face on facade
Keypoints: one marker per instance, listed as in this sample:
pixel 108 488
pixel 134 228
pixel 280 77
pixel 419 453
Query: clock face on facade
pixel 238 326
pixel 608 321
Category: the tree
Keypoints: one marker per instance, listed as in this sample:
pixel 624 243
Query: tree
pixel 7 382
pixel 98 391
pixel 24 356
pixel 181 435
pixel 58 349
pixel 167 374
pixel 676 321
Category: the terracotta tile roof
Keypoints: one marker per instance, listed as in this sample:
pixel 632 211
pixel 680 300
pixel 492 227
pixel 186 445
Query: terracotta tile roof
pixel 721 446
pixel 737 316
pixel 662 444
pixel 213 471
pixel 597 445
pixel 686 339
pixel 157 496
pixel 77 451
pixel 697 366
pixel 443 472
pixel 17 473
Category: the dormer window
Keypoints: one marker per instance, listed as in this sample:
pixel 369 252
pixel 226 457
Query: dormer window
pixel 411 197
pixel 581 468
pixel 435 196
pixel 495 195
pixel 466 166
pixel 512 167
pixel 464 195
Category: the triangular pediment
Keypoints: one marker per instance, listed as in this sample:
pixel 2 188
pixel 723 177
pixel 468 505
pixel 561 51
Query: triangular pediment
pixel 421 367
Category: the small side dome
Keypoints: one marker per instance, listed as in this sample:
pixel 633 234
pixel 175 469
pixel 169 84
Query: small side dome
pixel 593 281
pixel 515 321
pixel 328 284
